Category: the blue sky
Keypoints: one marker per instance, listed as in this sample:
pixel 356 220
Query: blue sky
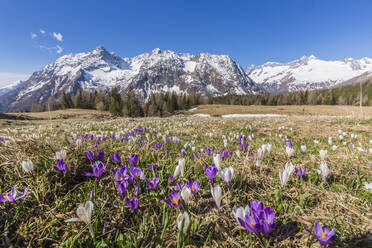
pixel 251 32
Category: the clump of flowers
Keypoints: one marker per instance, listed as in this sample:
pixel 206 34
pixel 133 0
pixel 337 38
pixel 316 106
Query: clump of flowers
pixel 258 220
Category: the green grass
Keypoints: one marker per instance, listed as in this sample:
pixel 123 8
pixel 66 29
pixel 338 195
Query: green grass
pixel 38 219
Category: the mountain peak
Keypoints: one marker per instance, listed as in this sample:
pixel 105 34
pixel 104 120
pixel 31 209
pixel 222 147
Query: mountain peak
pixel 100 50
pixel 307 58
pixel 156 51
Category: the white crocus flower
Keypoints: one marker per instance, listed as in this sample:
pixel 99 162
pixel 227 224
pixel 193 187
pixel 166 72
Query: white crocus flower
pixel 237 152
pixel 303 148
pixel 217 195
pixel 284 175
pixel 61 155
pixel 324 171
pixel 217 160
pixel 180 169
pixel 330 141
pixel 370 150
pixel 323 154
pixel 260 153
pixel 84 213
pixel 240 213
pixel 183 219
pixel 316 141
pixel 334 148
pixel 186 194
pixel 227 175
pixel 290 151
pixel 360 149
pixel 368 187
pixel 268 148
pixel 28 166
pixel 263 147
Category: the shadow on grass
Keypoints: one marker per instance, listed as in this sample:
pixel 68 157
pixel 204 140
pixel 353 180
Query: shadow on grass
pixel 285 231
pixel 363 240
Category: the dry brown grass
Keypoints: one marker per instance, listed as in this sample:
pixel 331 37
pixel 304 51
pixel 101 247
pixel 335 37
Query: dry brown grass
pixel 352 111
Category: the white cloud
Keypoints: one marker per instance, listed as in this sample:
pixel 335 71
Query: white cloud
pixel 33 36
pixel 7 78
pixel 58 36
pixel 59 49
pixel 42 31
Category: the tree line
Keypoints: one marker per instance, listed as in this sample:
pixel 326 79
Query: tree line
pixel 127 104
pixel 345 95
pixel 164 104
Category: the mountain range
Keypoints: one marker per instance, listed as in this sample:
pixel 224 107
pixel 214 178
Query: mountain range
pixel 166 71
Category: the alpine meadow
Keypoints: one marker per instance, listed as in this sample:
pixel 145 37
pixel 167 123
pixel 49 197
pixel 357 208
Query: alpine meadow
pixel 185 124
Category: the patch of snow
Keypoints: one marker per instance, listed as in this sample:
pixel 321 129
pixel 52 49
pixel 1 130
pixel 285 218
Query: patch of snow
pixel 193 109
pixel 202 115
pixel 252 115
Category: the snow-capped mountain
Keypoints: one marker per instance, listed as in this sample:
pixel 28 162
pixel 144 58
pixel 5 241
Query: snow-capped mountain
pixel 308 73
pixel 157 71
pixel 10 87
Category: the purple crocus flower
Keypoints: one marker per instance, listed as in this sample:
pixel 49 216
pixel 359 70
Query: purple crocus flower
pixel 174 200
pixel 132 204
pixel 100 155
pixel 133 159
pixel 96 144
pixel 158 145
pixel 182 153
pixel 224 153
pixel 268 220
pixel 1 139
pixel 12 196
pixel 170 180
pixel 323 234
pixel 166 152
pixel 195 156
pixel 153 167
pixel 60 166
pixel 211 172
pixel 98 169
pixel 194 186
pixel 300 172
pixel 152 183
pixel 257 208
pixel 251 224
pixel 121 174
pixel 288 143
pixel 116 157
pixel 135 173
pixel 90 156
